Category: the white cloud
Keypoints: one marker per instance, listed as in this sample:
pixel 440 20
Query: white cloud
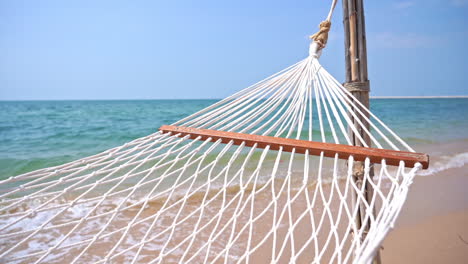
pixel 403 40
pixel 405 4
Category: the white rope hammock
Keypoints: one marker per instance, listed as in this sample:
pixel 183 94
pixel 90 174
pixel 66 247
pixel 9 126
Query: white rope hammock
pixel 169 197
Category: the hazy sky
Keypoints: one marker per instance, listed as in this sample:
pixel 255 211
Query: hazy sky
pixel 211 48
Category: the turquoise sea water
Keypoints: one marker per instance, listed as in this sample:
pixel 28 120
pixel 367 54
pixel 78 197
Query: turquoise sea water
pixel 37 134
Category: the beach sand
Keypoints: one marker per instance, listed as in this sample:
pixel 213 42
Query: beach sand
pixel 433 225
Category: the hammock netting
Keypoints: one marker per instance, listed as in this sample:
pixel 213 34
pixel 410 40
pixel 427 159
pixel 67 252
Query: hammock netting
pixel 169 198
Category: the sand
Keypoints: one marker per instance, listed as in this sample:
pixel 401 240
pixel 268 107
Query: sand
pixel 438 239
pixel 433 225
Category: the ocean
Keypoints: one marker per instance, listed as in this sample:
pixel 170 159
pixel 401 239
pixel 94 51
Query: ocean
pixel 38 134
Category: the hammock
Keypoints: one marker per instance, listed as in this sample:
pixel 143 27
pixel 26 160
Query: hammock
pixel 270 173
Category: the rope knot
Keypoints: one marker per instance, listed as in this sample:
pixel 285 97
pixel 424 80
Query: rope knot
pixel 321 36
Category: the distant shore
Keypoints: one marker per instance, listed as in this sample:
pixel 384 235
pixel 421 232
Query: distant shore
pixel 208 99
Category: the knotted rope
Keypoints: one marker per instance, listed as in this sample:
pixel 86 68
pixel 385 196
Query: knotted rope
pixel 321 37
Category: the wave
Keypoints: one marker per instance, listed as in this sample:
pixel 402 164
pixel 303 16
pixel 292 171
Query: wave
pixel 445 163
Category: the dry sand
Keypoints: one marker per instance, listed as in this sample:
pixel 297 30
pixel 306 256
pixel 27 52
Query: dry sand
pixel 433 225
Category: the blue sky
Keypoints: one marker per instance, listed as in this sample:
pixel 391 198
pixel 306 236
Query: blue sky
pixel 210 48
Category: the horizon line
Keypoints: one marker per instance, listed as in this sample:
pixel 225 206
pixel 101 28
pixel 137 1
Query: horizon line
pixel 154 99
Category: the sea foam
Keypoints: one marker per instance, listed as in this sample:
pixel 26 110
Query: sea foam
pixel 445 163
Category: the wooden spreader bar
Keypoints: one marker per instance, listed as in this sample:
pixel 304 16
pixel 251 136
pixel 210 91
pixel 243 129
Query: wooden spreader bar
pixel 392 157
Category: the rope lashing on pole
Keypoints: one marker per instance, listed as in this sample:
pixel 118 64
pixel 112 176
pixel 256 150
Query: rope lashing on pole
pixel 357 86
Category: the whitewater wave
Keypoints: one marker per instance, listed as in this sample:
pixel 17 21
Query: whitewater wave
pixel 446 162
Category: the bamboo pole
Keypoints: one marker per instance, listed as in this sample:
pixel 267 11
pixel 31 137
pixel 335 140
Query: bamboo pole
pixel 358 84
